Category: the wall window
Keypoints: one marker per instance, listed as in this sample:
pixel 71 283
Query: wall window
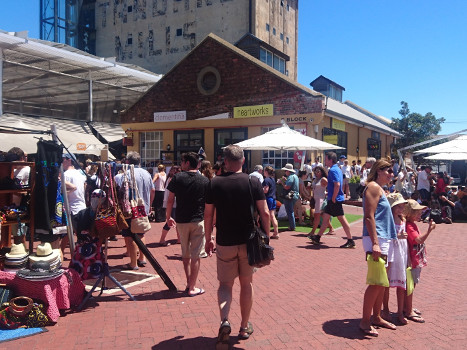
pixel 276 159
pixel 287 40
pixel 225 137
pixel 267 27
pixel 374 148
pixel 375 135
pixel 150 147
pixel 273 31
pixel 272 60
pixel 130 8
pixel 338 138
pixel 188 141
pixel 179 32
pixel 335 93
pixel 282 36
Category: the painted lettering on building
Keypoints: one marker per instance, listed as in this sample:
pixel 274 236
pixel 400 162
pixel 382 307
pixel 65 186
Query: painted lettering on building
pixel 254 111
pixel 175 116
pixel 295 119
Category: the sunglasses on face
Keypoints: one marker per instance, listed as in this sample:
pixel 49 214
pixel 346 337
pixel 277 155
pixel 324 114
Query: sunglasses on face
pixel 389 170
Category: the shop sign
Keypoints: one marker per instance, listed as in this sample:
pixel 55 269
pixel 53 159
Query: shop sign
pixel 175 116
pixel 332 139
pixel 81 146
pixel 254 111
pixel 338 125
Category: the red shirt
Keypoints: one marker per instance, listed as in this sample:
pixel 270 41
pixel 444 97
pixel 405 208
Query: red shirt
pixel 440 186
pixel 417 251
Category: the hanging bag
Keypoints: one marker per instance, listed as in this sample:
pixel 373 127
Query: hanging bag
pixel 106 214
pixel 139 219
pixel 376 275
pixel 124 194
pixel 259 252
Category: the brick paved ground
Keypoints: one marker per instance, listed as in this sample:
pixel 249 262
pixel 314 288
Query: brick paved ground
pixel 308 298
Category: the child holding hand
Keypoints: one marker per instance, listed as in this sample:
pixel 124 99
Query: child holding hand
pixel 417 252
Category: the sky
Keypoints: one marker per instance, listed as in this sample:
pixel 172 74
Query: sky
pixel 381 51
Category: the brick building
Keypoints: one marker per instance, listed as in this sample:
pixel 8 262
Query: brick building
pixel 218 95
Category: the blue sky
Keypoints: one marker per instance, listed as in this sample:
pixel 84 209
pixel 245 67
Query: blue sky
pixel 382 51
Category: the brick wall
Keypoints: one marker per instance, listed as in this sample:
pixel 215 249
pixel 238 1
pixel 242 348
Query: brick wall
pixel 243 83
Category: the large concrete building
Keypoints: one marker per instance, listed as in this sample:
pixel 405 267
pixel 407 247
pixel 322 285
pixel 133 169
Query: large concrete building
pixel 157 34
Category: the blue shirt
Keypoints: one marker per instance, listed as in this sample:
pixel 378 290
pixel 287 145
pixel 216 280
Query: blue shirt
pixel 272 187
pixel 385 227
pixel 335 175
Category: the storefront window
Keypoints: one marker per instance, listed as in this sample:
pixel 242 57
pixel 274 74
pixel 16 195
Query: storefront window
pixel 374 148
pixel 276 159
pixel 150 148
pixel 225 137
pixel 188 141
pixel 338 138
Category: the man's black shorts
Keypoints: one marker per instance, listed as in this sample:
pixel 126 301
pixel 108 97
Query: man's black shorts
pixel 334 209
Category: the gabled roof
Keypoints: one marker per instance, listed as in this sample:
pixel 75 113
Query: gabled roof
pixel 346 113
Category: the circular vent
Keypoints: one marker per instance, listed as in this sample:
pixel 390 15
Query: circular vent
pixel 209 80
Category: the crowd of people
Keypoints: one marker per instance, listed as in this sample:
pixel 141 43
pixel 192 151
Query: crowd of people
pixel 197 200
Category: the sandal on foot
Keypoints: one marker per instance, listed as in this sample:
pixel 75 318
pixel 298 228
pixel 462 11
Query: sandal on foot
pixel 385 324
pixel 371 332
pixel 141 263
pixel 129 267
pixel 244 333
pixel 223 338
pixel 274 237
pixel 417 311
pixel 196 293
pixel 416 318
pixel 164 244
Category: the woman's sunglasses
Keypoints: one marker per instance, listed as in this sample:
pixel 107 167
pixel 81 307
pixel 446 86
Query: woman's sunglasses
pixel 390 171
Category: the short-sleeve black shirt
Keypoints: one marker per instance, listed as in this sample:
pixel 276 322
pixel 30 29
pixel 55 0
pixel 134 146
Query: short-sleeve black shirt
pixel 189 189
pixel 230 195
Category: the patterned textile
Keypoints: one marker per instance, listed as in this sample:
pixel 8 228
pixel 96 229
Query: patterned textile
pixel 58 294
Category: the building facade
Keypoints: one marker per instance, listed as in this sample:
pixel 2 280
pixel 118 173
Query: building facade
pixel 157 34
pixel 219 95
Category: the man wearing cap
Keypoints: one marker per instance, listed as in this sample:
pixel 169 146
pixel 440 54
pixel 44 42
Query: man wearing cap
pixel 290 183
pixel 423 185
pixel 334 202
pixel 341 161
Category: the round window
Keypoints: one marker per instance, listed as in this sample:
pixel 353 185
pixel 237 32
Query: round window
pixel 209 80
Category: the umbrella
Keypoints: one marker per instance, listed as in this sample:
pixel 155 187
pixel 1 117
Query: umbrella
pixel 448 156
pixel 458 145
pixel 284 138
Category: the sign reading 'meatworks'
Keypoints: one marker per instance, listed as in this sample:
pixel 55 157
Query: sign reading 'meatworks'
pixel 253 111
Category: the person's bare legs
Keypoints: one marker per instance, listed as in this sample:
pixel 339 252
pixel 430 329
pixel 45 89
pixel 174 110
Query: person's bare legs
pixel 163 236
pixel 140 255
pixel 224 298
pixel 409 312
pixel 345 226
pixel 246 299
pixel 325 223
pixel 316 218
pixel 272 218
pixel 401 294
pixel 370 299
pixel 377 319
pixel 385 314
pixel 191 267
pixel 132 249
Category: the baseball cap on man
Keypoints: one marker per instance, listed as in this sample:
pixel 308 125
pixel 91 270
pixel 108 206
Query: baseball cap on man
pixel 342 157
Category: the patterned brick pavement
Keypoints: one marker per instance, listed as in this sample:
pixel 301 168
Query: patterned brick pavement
pixel 309 298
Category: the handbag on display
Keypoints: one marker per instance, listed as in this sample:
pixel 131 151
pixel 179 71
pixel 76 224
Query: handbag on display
pixel 139 218
pixel 259 252
pixel 123 194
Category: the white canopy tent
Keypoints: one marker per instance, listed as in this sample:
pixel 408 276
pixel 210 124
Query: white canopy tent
pixel 284 138
pixel 448 156
pixel 457 145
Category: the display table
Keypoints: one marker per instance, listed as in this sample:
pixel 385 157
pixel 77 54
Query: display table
pixel 57 294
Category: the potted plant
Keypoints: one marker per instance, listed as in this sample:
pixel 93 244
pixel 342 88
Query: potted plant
pixel 354 182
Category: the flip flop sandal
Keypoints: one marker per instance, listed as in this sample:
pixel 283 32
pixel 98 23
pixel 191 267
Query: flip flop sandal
pixel 223 338
pixel 201 291
pixel 387 325
pixel 141 263
pixel 416 318
pixel 244 333
pixel 371 332
pixel 417 311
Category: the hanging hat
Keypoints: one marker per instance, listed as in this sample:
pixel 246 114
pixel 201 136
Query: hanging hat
pixel 18 251
pixel 39 271
pixel 288 167
pixel 44 252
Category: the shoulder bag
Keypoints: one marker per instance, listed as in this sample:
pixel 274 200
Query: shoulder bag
pixel 123 194
pixel 259 252
pixel 139 218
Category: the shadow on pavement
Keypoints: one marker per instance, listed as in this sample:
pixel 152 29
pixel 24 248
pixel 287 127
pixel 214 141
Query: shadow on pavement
pixel 194 343
pixel 345 328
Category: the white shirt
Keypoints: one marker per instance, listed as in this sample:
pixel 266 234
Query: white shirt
pixel 423 182
pixel 23 175
pixel 258 175
pixel 76 198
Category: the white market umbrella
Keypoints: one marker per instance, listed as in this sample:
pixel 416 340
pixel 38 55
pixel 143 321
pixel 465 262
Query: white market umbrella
pixel 284 138
pixel 448 156
pixel 458 145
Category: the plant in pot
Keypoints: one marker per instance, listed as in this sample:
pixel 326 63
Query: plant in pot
pixel 354 182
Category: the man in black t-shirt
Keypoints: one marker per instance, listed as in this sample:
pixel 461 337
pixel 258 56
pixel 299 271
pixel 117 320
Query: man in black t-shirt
pixel 188 187
pixel 228 196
